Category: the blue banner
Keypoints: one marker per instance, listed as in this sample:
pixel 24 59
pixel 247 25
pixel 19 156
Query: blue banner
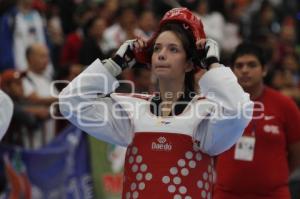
pixel 60 170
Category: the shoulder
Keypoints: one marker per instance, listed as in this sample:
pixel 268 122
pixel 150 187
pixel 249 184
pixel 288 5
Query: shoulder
pixel 276 96
pixel 132 103
pixel 133 97
pixel 279 100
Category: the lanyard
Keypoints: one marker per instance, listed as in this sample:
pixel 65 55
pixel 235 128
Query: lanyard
pixel 253 130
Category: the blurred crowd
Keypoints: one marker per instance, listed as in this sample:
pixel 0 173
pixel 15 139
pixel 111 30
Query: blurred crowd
pixel 46 43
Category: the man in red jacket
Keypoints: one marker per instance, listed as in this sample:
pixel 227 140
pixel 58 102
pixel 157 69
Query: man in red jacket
pixel 259 165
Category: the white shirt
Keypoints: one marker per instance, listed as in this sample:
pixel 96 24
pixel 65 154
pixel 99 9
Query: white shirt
pixel 29 29
pixel 114 36
pixel 39 84
pixel 43 87
pixel 214 25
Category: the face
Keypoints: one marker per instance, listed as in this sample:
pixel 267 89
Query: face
pixel 248 71
pixel 98 28
pixel 128 20
pixel 169 59
pixel 39 58
pixel 147 21
pixel 290 63
pixel 26 2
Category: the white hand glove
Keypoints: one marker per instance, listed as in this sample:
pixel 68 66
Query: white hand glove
pixel 124 56
pixel 112 67
pixel 212 49
pixel 212 53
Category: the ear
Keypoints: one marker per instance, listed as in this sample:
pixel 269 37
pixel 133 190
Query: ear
pixel 190 66
pixel 265 71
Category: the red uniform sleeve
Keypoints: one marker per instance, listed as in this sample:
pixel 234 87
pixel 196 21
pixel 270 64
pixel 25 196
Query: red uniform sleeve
pixel 292 121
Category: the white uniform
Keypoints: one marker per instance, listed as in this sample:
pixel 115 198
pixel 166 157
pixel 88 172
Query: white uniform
pixel 81 104
pixel 127 120
pixel 6 111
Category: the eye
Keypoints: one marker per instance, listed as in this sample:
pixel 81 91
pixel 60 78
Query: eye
pixel 156 48
pixel 173 49
pixel 238 65
pixel 252 64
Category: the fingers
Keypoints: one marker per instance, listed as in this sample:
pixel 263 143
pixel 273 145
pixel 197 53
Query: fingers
pixel 211 42
pixel 200 44
pixel 208 52
pixel 139 44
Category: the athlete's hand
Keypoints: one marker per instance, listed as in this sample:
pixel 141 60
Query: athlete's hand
pixel 209 50
pixel 124 56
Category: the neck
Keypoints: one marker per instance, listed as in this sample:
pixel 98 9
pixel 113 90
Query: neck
pixel 171 90
pixel 256 91
pixel 36 71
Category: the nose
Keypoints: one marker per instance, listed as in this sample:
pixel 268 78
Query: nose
pixel 161 55
pixel 245 68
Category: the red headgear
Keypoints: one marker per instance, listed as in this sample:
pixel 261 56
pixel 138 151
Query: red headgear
pixel 188 18
pixel 183 15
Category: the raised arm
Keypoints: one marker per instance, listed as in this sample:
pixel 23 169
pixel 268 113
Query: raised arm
pixel 86 103
pixel 232 107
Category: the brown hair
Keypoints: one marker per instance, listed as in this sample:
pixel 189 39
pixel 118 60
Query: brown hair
pixel 185 35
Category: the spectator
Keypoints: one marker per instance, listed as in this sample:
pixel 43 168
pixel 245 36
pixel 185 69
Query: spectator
pixel 286 78
pixel 91 47
pixel 38 88
pixel 21 26
pixel 55 33
pixel 264 21
pixel 36 83
pixel 260 163
pixel 125 28
pixel 108 11
pixel 146 24
pixel 214 22
pixel 73 42
pixel 26 118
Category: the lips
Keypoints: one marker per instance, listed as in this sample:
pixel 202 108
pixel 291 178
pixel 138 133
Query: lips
pixel 162 66
pixel 245 79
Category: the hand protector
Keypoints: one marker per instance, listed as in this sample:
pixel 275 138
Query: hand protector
pixel 124 56
pixel 112 67
pixel 212 54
